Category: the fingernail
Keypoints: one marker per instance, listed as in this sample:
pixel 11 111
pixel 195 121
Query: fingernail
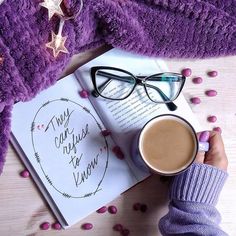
pixel 204 136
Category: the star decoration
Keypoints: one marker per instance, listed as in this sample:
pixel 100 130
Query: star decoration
pixel 53 7
pixel 57 44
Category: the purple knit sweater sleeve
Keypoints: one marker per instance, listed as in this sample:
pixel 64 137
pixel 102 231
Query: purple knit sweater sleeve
pixel 193 196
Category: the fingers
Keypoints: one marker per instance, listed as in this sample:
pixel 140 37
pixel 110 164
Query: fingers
pixel 200 158
pixel 202 136
pixel 216 155
pixel 216 141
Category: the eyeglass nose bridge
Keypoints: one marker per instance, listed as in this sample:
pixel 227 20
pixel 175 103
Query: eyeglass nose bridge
pixel 140 81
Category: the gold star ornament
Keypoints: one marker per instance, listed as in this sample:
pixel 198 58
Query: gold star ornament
pixel 53 7
pixel 57 44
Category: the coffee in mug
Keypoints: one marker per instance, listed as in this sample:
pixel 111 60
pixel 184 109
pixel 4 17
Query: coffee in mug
pixel 168 144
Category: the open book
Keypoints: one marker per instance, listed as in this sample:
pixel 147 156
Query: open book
pixel 58 137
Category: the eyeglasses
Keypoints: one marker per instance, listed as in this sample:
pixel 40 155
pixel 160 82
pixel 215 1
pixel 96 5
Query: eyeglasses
pixel 118 84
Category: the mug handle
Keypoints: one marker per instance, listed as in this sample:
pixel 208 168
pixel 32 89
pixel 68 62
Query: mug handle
pixel 203 146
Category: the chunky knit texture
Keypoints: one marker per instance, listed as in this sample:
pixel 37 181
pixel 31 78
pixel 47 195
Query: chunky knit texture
pixel 193 196
pixel 164 28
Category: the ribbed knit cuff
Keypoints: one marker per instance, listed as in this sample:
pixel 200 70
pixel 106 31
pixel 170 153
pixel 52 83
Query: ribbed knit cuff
pixel 200 183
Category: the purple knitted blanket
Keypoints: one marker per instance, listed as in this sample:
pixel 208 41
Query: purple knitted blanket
pixel 163 28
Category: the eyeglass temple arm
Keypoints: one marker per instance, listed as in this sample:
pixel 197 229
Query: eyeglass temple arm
pixel 101 87
pixel 170 105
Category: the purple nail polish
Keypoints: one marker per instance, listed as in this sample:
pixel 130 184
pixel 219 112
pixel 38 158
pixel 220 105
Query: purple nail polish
pixel 204 136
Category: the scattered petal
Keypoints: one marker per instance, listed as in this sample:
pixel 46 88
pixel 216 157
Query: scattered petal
pixel 45 226
pixel 118 227
pixel 102 210
pixel 112 209
pixel 125 232
pixel 87 226
pixel 84 94
pixel 143 208
pixel 212 119
pixel 195 100
pixel 186 72
pixel 106 132
pixel 211 93
pixel 25 174
pixel 197 80
pixel 56 226
pixel 117 151
pixel 137 206
pixel 212 73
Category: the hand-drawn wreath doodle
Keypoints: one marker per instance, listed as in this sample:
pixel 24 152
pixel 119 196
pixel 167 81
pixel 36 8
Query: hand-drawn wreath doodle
pixel 37 155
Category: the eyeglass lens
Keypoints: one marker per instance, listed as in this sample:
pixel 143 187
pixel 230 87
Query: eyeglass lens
pixel 163 87
pixel 114 84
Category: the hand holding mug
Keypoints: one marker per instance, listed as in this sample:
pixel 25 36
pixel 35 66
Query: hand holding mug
pixel 216 155
pixel 166 145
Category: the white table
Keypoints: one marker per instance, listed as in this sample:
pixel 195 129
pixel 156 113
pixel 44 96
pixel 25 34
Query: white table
pixel 23 209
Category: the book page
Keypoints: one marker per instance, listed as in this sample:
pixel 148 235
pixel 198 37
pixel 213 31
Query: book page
pixel 125 118
pixel 58 136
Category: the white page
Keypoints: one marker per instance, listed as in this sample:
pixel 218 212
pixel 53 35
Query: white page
pixel 125 118
pixel 51 132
